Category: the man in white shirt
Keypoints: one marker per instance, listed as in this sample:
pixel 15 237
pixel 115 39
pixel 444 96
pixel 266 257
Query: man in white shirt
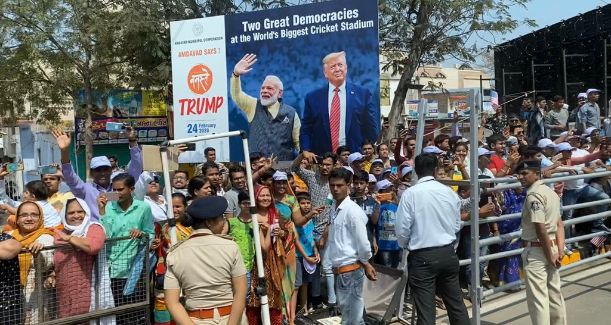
pixel 428 219
pixel 348 249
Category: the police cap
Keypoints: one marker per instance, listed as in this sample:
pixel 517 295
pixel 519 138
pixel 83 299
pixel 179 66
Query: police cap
pixel 209 207
pixel 529 164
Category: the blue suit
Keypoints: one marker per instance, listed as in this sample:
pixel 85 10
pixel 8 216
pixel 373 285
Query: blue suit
pixel 362 120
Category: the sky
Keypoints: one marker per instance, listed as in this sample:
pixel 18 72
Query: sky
pixel 549 12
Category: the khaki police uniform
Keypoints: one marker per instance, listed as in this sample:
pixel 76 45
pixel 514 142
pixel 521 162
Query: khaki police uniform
pixel 203 267
pixel 544 297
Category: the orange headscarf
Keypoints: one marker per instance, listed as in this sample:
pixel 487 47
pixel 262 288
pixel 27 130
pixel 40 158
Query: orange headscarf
pixel 25 259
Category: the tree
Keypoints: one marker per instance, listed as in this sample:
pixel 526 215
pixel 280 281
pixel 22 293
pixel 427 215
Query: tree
pixel 53 49
pixel 415 32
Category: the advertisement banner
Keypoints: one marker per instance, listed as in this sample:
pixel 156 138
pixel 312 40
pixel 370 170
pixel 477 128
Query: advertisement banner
pixel 199 81
pixel 283 47
pixel 150 129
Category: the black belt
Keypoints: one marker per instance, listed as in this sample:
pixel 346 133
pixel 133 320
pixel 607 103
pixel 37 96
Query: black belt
pixel 426 249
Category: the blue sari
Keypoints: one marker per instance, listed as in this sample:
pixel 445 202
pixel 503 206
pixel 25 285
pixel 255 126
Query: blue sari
pixel 509 267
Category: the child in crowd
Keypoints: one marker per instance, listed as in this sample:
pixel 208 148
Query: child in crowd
pixel 389 252
pixel 365 200
pixel 308 257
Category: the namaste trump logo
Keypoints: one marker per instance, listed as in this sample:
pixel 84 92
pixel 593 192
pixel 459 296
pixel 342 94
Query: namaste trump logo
pixel 200 79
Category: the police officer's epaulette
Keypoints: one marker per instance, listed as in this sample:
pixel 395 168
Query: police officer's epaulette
pixel 175 246
pixel 228 237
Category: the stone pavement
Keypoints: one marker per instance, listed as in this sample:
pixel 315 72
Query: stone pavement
pixel 587 293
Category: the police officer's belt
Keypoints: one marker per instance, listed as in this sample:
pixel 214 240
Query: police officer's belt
pixel 537 244
pixel 209 313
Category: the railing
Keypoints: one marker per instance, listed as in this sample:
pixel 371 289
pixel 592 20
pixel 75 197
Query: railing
pixel 67 286
pixel 477 291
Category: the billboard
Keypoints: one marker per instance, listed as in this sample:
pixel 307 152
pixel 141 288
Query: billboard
pixel 145 110
pixel 289 43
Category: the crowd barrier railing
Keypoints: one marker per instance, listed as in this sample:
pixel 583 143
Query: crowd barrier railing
pixel 61 289
pixel 477 291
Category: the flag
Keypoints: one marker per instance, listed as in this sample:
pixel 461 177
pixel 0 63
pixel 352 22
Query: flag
pixel 598 241
pixel 494 98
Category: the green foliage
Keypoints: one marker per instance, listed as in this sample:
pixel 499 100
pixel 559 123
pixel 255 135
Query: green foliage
pixel 417 32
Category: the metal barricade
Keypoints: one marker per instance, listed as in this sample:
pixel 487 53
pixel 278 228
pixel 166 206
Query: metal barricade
pixel 477 292
pixel 67 286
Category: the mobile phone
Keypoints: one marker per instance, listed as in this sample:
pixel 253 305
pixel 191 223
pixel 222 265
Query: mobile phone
pixel 319 159
pixel 111 196
pixel 190 146
pixel 47 170
pixel 114 127
pixel 393 170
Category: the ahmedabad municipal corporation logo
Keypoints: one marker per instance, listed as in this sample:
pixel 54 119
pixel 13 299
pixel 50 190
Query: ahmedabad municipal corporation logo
pixel 199 79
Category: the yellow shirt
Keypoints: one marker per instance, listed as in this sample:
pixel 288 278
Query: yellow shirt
pixel 248 105
pixel 58 200
pixel 542 205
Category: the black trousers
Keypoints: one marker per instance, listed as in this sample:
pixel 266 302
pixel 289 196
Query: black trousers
pixel 435 270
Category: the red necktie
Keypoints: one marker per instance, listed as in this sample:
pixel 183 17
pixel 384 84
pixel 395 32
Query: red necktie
pixel 334 119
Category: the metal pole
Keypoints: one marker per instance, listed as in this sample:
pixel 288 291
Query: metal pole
pixel 421 123
pixel 532 72
pixel 564 74
pixel 476 290
pixel 605 63
pixel 504 88
pixel 262 288
pixel 168 193
pixel 481 91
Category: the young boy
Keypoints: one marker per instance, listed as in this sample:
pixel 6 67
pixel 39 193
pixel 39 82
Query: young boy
pixel 307 254
pixel 360 181
pixel 390 252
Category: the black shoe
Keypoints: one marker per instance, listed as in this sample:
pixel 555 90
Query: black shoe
pixel 333 310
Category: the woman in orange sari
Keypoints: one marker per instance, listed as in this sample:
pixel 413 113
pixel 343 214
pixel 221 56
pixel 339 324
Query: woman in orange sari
pixel 274 261
pixel 33 236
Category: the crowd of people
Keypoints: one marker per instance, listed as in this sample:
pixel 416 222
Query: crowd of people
pixel 322 223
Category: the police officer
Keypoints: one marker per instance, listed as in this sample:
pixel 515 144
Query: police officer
pixel 209 270
pixel 543 242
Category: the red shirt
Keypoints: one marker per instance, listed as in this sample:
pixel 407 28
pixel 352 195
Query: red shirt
pixel 496 163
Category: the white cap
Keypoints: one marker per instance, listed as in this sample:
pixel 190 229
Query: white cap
pixel 512 140
pixel 377 161
pixel 372 179
pixel 355 156
pixel 280 176
pixel 99 161
pixel 592 90
pixel 588 131
pixel 545 143
pixel 383 184
pixel 564 146
pixel 582 95
pixel 349 169
pixel 483 151
pixel 432 149
pixel 406 170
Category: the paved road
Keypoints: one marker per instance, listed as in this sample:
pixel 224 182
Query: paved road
pixel 587 293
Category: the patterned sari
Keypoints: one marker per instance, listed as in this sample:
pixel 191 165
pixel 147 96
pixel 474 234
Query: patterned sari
pixel 509 267
pixel 160 311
